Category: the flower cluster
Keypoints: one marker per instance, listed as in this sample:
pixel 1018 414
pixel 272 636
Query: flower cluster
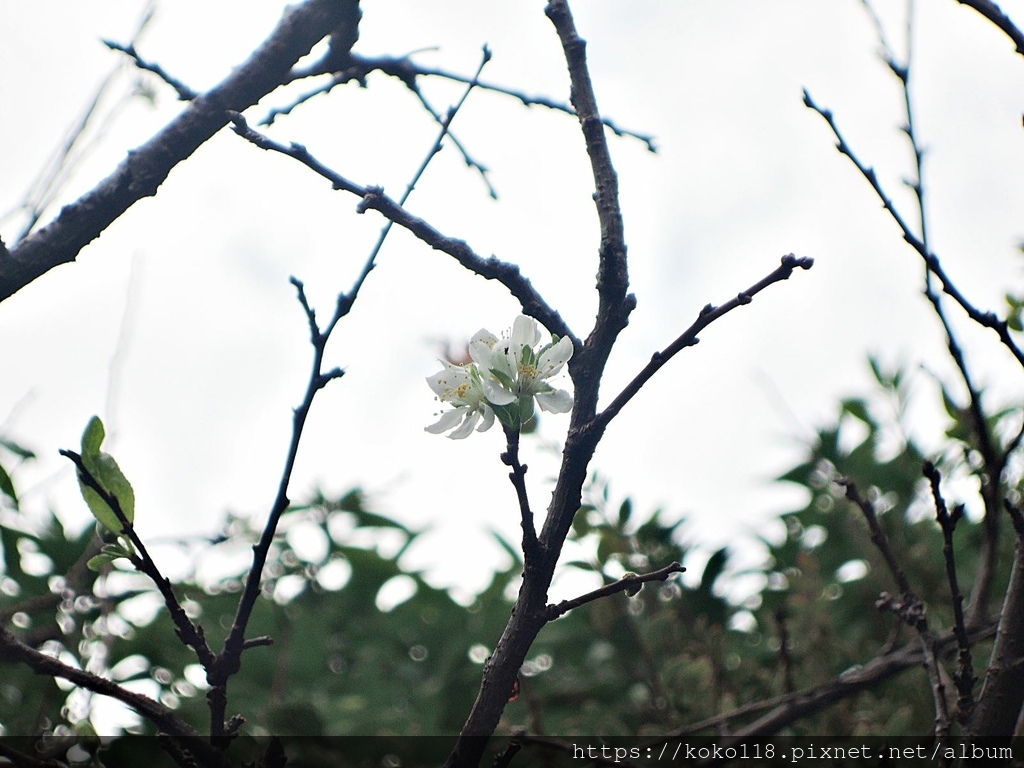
pixel 503 380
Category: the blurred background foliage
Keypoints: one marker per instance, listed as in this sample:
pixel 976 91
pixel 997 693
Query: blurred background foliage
pixel 363 646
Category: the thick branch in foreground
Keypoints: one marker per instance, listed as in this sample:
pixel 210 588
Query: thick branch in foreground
pixel 614 304
pixel 13 650
pixel 994 13
pixel 1002 695
pixel 145 168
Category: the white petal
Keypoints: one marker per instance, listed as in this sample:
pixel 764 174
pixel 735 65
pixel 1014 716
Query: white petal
pixel 485 337
pixel 524 332
pixel 553 359
pixel 467 426
pixel 556 401
pixel 438 382
pixel 497 394
pixel 487 420
pixel 448 420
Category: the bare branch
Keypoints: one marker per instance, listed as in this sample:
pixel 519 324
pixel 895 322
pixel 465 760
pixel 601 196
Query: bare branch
pixel 964 677
pixel 689 337
pixel 614 305
pixel 142 172
pixel 229 660
pixel 184 92
pixel 357 68
pixel 631 582
pixel 878 537
pixel 1002 694
pixel 986 319
pixel 13 650
pixel 373 198
pixel 190 634
pixel 518 477
pixel 994 13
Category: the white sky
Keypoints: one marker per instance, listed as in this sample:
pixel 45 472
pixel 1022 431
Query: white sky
pixel 215 352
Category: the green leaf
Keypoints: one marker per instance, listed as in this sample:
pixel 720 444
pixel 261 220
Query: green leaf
pixel 857 408
pixel 625 511
pixel 108 476
pixel 92 437
pixel 7 487
pixel 18 450
pixel 99 562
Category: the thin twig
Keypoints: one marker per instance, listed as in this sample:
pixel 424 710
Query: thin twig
pixel 631 582
pixel 406 70
pixel 25 760
pixel 993 461
pixel 184 92
pixel 13 650
pixel 689 337
pixel 986 319
pixel 55 174
pixel 191 634
pixel 445 131
pixel 518 477
pixel 964 677
pixel 878 537
pixel 373 198
pixel 229 660
pixel 909 607
pixel 1017 517
pixel 785 650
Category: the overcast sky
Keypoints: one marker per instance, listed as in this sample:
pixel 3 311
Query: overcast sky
pixel 180 328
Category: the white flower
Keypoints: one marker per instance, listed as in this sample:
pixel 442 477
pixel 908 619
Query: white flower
pixel 461 386
pixel 524 370
pixel 503 380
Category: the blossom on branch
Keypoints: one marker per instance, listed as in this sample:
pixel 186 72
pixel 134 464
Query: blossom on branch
pixel 503 379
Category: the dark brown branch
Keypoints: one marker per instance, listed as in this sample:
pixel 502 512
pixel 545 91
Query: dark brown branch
pixel 689 337
pixel 585 369
pixel 531 549
pixel 994 13
pixel 145 168
pixel 1017 518
pixel 614 305
pixel 189 633
pixel 993 461
pixel 26 760
pixel 932 263
pixel 878 537
pixel 964 677
pixel 15 651
pixel 1002 695
pixel 356 68
pixel 229 660
pixel 876 671
pixel 630 582
pixel 373 198
pixel 910 608
pixel 184 92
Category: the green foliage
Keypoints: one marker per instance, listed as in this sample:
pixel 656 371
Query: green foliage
pixel 680 652
pixel 109 477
